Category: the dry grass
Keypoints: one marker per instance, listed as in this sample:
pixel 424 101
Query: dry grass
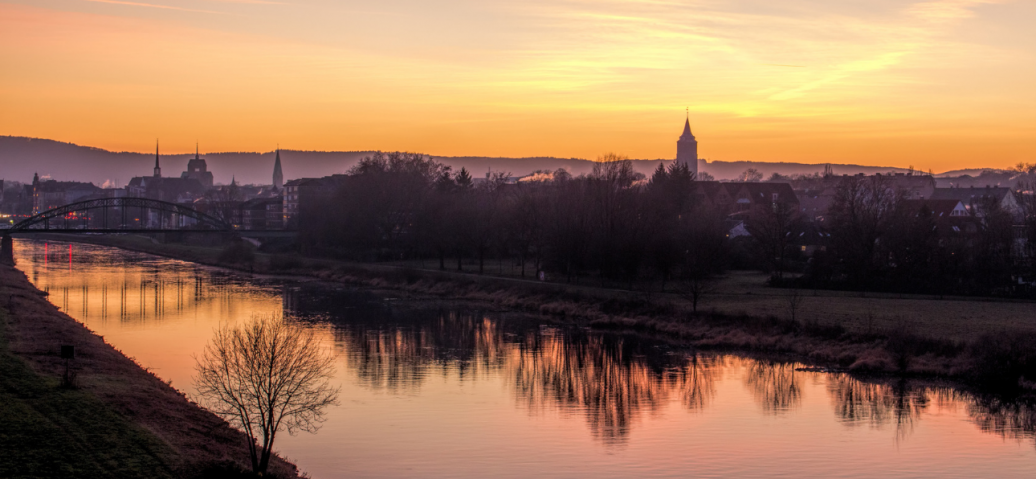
pixel 951 318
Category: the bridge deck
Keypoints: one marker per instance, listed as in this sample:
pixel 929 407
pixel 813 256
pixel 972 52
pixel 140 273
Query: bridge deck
pixel 266 233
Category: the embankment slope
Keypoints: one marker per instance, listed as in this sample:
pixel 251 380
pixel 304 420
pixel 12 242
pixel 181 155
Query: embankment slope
pixel 166 435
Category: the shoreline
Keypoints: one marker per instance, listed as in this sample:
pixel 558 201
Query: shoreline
pixel 191 441
pixel 974 360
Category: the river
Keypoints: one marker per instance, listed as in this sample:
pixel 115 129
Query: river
pixel 445 389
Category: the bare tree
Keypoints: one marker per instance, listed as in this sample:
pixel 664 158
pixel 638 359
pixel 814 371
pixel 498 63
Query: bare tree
pixel 770 225
pixel 795 299
pixel 750 175
pixel 263 375
pixel 698 286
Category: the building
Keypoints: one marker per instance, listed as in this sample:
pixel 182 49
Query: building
pixel 158 169
pixel 305 191
pixel 49 194
pixel 816 198
pixel 972 198
pixel 275 214
pixel 278 176
pixel 294 190
pixel 173 190
pixel 740 199
pixel 197 170
pixel 953 222
pixel 255 214
pixel 687 148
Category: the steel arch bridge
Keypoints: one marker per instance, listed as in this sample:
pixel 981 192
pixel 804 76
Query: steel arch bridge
pixel 181 218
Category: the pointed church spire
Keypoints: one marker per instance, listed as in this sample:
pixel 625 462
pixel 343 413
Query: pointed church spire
pixel 278 177
pixel 158 169
pixel 687 135
pixel 196 150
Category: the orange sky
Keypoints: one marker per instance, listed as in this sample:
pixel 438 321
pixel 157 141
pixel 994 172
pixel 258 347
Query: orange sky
pixel 935 84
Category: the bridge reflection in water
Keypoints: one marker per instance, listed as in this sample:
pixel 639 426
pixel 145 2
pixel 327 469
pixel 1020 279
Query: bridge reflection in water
pixel 425 366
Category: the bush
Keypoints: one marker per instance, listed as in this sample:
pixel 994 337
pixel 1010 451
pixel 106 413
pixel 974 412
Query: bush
pixel 1003 360
pixel 282 262
pixel 237 252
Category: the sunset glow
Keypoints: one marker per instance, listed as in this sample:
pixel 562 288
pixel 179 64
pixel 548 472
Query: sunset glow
pixel 939 85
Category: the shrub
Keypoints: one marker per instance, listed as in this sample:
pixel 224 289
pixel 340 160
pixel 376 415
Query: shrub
pixel 282 262
pixel 237 252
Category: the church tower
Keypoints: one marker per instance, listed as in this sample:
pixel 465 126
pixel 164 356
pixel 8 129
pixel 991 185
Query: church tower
pixel 158 170
pixel 687 148
pixel 278 177
pixel 36 193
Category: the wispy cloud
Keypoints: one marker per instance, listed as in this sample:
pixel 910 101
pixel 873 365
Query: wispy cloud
pixel 947 10
pixel 155 5
pixel 252 2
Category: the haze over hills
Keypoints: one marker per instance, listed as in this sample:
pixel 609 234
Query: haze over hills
pixel 21 157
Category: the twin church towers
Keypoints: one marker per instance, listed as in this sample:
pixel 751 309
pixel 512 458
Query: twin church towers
pixel 687 148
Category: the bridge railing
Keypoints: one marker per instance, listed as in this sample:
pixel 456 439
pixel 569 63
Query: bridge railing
pixel 118 214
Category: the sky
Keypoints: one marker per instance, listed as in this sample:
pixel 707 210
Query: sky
pixel 940 84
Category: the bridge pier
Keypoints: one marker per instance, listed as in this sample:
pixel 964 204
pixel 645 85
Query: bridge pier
pixel 7 250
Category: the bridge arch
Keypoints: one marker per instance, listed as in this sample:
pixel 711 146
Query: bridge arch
pixel 41 221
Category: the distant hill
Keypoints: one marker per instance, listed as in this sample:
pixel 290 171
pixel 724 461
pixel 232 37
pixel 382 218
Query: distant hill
pixel 970 172
pixel 20 157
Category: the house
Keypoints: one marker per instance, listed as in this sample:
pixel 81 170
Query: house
pixel 254 214
pixel 300 193
pixel 739 199
pixel 49 194
pixel 972 198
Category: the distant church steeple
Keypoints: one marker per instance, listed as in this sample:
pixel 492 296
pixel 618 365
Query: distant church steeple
pixel 687 147
pixel 158 169
pixel 278 177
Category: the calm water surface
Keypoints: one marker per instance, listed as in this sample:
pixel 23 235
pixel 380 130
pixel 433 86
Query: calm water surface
pixel 449 391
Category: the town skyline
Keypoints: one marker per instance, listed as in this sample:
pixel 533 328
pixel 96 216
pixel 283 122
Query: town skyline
pixel 939 85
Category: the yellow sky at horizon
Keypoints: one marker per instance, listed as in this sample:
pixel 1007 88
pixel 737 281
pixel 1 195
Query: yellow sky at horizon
pixel 939 85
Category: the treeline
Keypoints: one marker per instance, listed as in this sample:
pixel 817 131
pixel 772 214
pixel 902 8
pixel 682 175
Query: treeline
pixel 612 224
pixel 623 229
pixel 881 241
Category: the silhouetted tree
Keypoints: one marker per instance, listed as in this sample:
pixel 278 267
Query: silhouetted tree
pixel 770 225
pixel 858 217
pixel 266 375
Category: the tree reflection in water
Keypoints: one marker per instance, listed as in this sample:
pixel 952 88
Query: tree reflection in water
pixel 609 379
pixel 877 404
pixel 612 380
pixel 398 359
pixel 776 386
pixel 1008 419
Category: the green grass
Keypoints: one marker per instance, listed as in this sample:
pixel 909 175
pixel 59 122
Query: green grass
pixel 47 431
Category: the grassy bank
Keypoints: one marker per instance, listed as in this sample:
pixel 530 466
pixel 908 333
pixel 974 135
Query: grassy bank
pixel 50 431
pixel 980 341
pixel 117 419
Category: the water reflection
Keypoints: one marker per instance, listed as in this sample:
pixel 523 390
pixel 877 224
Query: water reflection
pixel 878 404
pixel 618 388
pixel 1008 419
pixel 610 380
pixel 776 386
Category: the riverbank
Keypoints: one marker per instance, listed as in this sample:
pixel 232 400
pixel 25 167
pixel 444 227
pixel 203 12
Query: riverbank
pixel 119 420
pixel 983 342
